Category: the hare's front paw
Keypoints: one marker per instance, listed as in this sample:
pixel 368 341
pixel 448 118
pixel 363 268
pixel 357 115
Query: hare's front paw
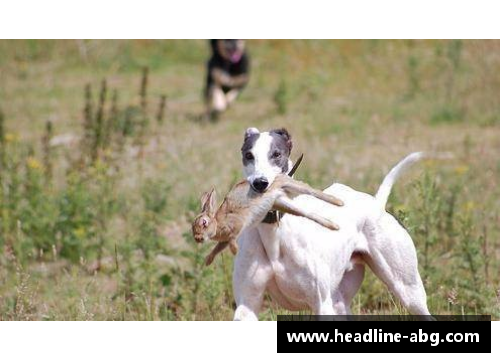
pixel 209 259
pixel 234 248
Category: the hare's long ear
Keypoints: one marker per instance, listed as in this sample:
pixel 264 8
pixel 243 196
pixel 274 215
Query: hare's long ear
pixel 208 201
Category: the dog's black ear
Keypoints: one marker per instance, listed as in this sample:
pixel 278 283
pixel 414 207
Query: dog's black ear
pixel 283 132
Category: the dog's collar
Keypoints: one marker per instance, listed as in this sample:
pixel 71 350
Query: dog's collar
pixel 274 216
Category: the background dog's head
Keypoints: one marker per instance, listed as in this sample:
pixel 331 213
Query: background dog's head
pixel 265 155
pixel 230 50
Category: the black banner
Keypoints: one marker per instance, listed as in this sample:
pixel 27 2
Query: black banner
pixel 384 334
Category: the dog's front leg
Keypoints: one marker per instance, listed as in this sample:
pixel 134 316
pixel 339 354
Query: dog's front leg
pixel 252 272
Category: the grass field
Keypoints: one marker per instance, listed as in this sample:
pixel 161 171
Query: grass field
pixel 98 228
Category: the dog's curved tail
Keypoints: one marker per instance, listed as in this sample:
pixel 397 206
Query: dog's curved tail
pixel 385 188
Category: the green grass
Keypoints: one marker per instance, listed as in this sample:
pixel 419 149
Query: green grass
pixel 105 234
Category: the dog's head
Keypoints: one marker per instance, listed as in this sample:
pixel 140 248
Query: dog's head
pixel 265 155
pixel 229 49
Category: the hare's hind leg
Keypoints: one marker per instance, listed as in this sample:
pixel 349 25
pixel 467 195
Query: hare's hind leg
pixel 298 188
pixel 284 204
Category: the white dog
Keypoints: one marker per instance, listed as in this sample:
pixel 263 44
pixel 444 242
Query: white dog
pixel 305 266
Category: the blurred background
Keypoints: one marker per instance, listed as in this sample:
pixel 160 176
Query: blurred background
pixel 104 154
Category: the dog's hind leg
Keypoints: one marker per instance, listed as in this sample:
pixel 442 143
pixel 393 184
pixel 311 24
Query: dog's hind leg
pixel 347 289
pixel 393 258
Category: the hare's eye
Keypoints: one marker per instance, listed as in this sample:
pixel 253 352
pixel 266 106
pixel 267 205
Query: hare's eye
pixel 249 156
pixel 204 222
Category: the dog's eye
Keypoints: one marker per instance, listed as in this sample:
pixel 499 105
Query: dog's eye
pixel 249 156
pixel 276 154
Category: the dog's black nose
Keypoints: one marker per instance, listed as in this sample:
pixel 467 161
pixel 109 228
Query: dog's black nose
pixel 260 184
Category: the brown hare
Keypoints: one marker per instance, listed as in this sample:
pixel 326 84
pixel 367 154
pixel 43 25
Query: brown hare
pixel 243 207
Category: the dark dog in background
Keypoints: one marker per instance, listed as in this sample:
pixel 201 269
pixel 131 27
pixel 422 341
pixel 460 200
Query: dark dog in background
pixel 227 74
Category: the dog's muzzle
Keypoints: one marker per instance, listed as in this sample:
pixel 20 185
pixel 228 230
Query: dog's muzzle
pixel 260 184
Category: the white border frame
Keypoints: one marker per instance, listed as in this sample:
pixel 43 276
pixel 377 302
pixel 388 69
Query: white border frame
pixel 123 19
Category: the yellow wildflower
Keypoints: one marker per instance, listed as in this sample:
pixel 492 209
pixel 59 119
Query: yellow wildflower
pixel 470 206
pixel 10 137
pixel 79 233
pixel 33 163
pixel 460 170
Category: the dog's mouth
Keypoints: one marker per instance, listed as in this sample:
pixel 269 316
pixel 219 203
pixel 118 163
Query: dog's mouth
pixel 258 191
pixel 235 56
